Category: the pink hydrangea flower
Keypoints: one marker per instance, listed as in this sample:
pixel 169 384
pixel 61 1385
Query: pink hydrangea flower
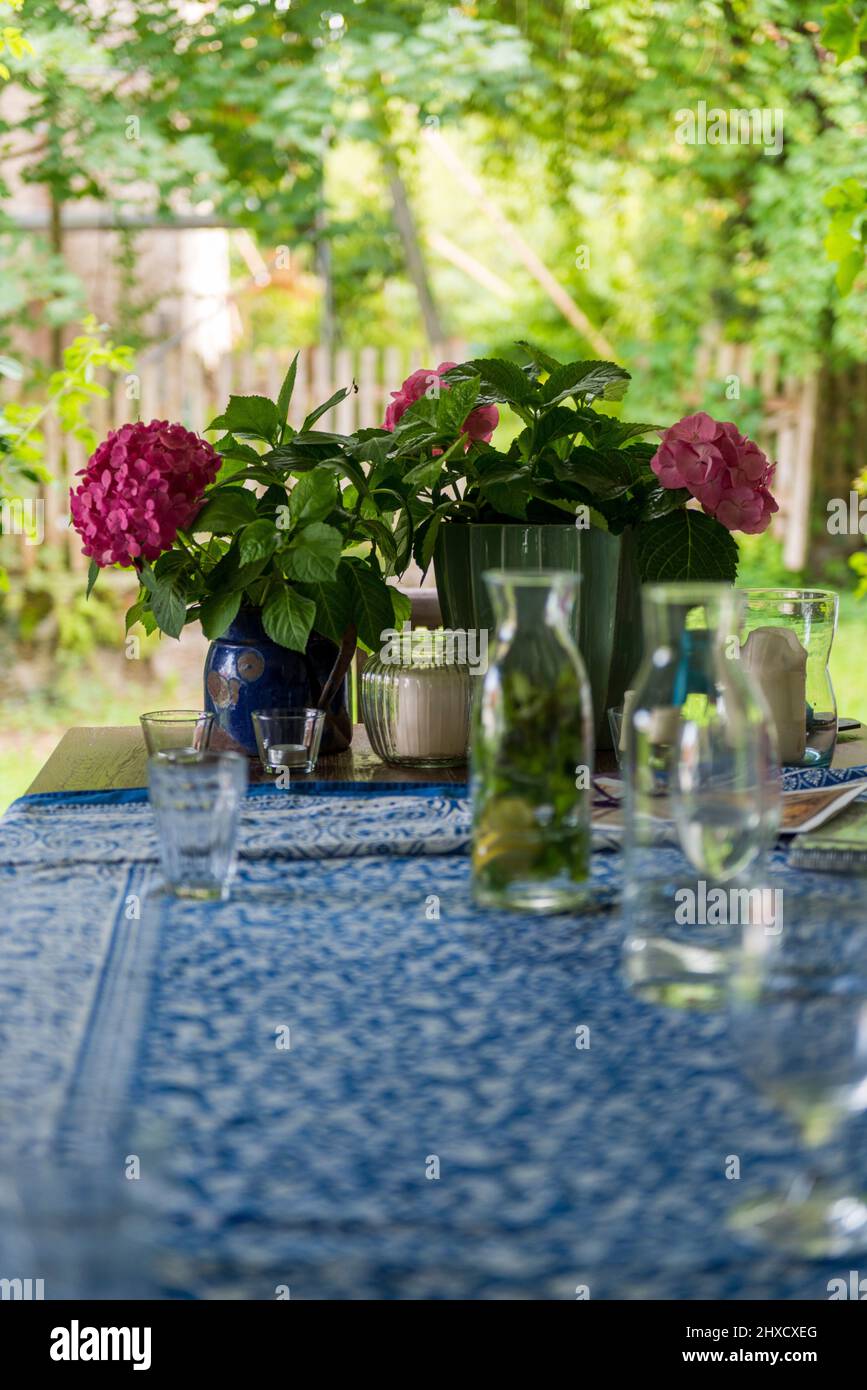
pixel 141 486
pixel 480 424
pixel 723 469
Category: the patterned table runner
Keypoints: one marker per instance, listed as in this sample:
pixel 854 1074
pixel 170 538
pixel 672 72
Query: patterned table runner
pixel 349 1082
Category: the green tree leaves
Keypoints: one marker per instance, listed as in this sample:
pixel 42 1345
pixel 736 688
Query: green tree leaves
pixel 844 30
pixel 846 241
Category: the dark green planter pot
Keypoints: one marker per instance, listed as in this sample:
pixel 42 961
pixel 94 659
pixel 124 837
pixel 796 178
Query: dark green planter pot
pixel 609 616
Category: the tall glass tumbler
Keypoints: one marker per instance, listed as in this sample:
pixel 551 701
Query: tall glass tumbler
pixel 786 644
pixel 197 800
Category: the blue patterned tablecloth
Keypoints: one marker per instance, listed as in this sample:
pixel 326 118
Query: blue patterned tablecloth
pixel 431 1129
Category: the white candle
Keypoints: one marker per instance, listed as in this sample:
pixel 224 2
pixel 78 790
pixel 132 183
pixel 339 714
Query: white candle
pixel 432 718
pixel 287 755
pixel 778 663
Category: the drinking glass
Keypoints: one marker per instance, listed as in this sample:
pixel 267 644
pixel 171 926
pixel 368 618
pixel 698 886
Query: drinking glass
pixel 197 799
pixel 288 739
pixel 167 729
pixel 786 642
pixel 701 794
pixel 532 751
pixel 798 1015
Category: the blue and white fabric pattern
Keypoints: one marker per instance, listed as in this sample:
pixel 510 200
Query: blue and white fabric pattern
pixel 349 1082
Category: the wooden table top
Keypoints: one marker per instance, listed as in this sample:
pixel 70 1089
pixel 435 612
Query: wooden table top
pixel 88 759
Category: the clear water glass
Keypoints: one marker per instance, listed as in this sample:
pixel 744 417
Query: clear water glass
pixel 786 638
pixel 288 739
pixel 197 798
pixel 168 729
pixel 701 796
pixel 798 1020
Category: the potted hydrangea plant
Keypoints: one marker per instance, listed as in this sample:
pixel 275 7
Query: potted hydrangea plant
pixel 575 488
pixel 285 574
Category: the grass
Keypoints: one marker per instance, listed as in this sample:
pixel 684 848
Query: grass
pixel 847 659
pixel 96 693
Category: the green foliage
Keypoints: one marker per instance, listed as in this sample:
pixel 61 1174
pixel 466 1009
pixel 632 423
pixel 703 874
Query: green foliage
pixel 846 242
pixel 73 388
pixel 49 612
pixel 87 134
pixel 844 29
pixel 70 394
pixel 569 462
pixel 858 563
pixel 285 119
pixel 311 551
pixel 686 545
pixel 12 39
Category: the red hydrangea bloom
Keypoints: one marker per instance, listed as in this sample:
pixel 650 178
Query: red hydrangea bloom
pixel 141 486
pixel 480 424
pixel 723 469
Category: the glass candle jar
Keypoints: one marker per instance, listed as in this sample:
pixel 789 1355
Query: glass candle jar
pixel 785 644
pixel 415 700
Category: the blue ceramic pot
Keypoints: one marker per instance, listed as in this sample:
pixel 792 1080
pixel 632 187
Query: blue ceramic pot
pixel 246 671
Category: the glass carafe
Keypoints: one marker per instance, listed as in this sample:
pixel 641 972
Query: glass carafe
pixel 532 751
pixel 701 796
